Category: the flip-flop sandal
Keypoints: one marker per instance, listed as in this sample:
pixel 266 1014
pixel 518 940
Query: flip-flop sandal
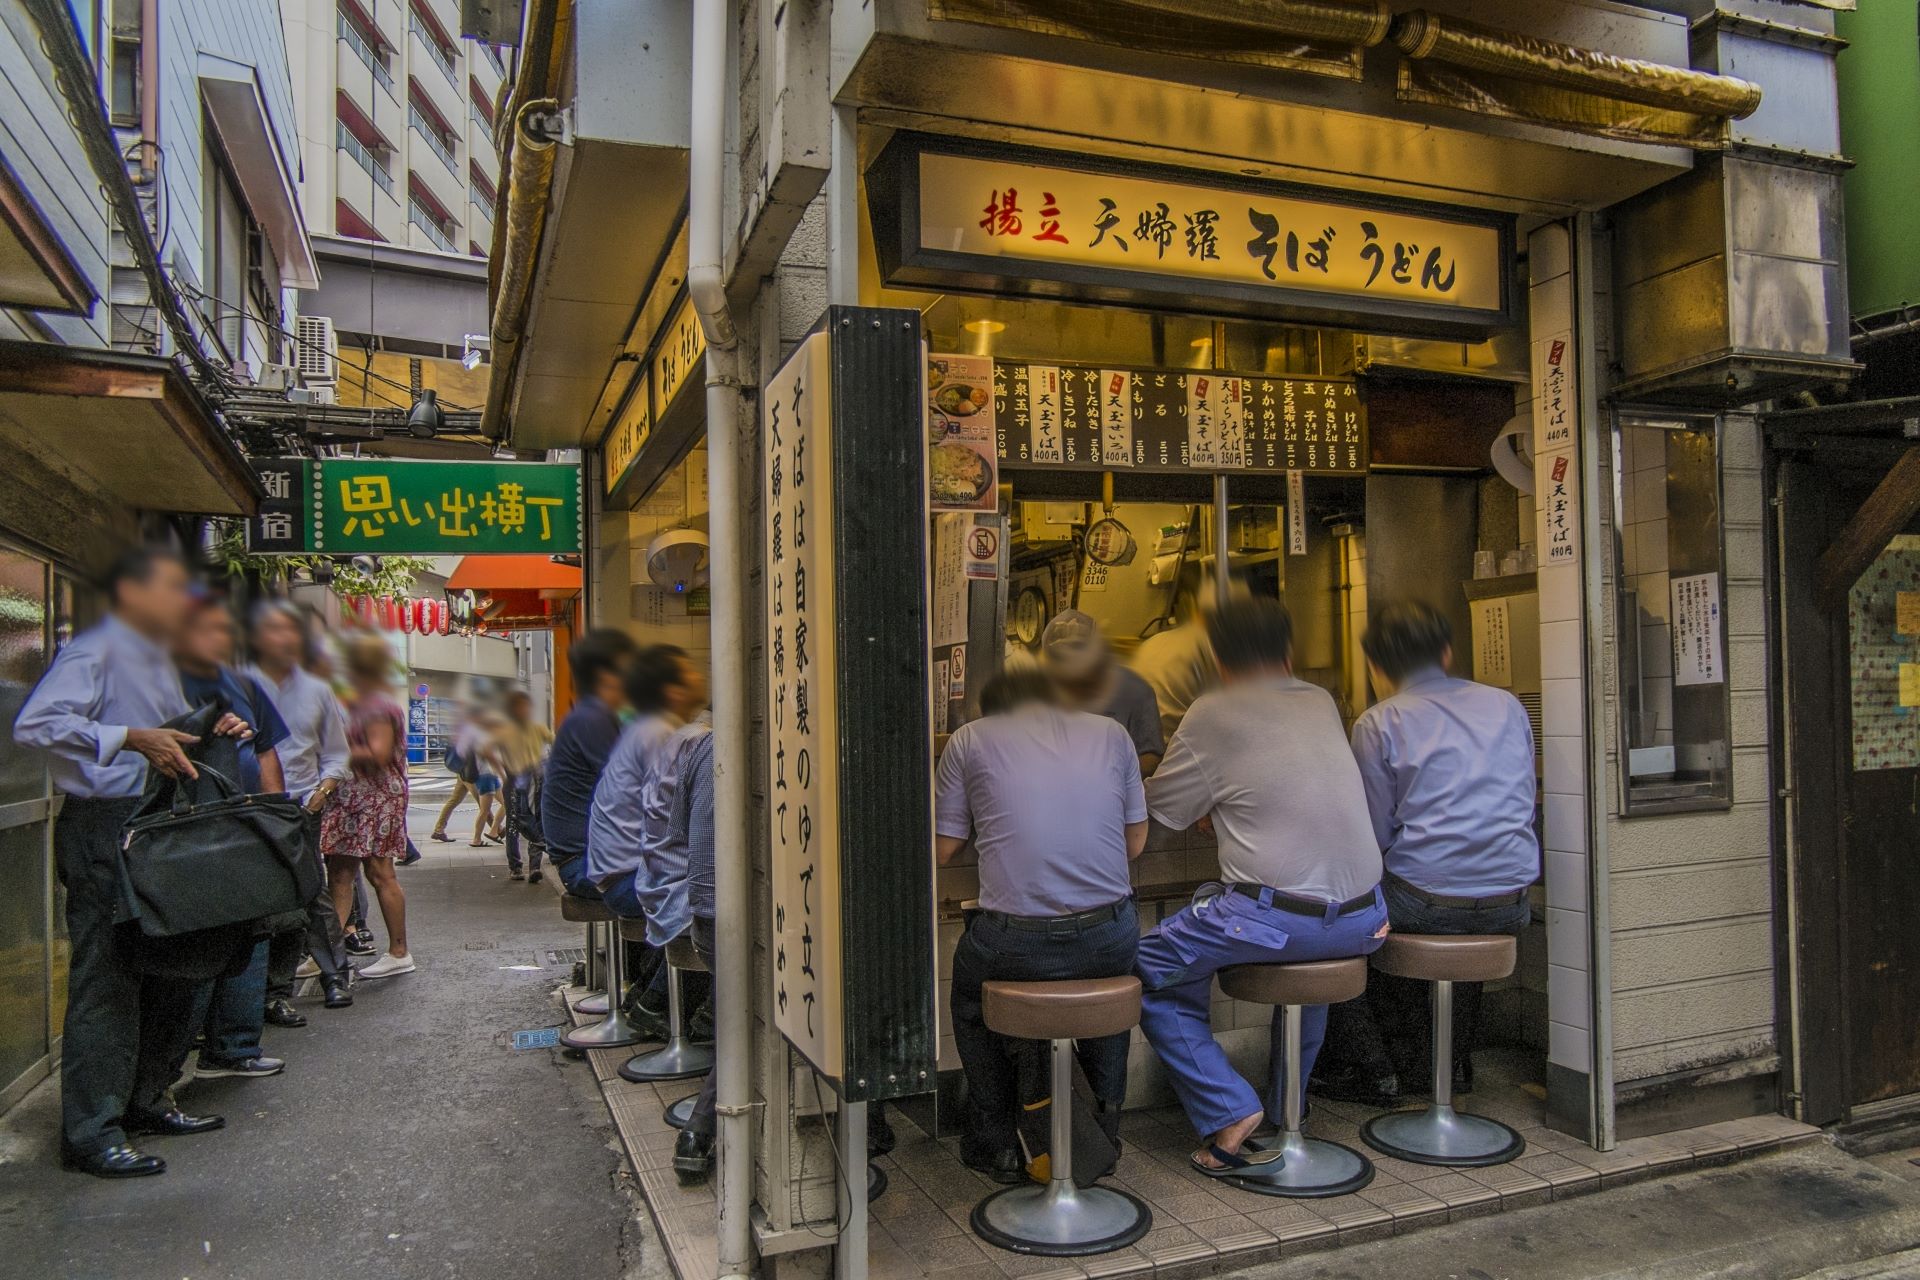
pixel 1231 1165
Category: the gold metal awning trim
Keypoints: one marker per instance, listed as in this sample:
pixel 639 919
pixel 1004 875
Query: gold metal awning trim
pixel 1459 64
pixel 1324 37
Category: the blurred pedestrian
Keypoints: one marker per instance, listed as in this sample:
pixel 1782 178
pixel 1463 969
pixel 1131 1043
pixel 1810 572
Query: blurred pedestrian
pixel 313 762
pixel 521 744
pixel 231 1011
pixel 366 826
pixel 1086 678
pixel 98 712
pixel 469 757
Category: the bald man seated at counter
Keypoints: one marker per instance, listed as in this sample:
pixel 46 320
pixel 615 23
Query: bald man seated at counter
pixel 1265 757
pixel 1085 676
pixel 1053 801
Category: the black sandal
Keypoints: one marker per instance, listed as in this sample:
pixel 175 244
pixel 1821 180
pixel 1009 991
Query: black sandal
pixel 1231 1165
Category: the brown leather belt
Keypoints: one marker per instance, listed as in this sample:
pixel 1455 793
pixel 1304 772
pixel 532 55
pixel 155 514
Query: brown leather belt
pixel 1448 900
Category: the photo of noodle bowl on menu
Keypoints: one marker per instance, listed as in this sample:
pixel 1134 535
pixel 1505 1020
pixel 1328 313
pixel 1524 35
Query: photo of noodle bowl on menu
pixel 962 463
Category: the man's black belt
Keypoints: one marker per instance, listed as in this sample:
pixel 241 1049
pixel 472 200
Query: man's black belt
pixel 1448 900
pixel 1302 906
pixel 1047 924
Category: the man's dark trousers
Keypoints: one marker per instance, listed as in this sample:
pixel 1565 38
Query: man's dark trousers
pixel 321 939
pixel 995 948
pixel 702 1121
pixel 124 1031
pixel 1389 1029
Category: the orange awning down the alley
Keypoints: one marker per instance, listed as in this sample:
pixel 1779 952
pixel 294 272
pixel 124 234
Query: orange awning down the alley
pixel 514 573
pixel 518 593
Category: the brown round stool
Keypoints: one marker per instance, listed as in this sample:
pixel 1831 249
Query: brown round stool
pixel 679 1058
pixel 579 911
pixel 1061 1220
pixel 1439 1134
pixel 613 1031
pixel 1308 1167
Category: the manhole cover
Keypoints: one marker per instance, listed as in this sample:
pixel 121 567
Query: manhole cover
pixel 480 946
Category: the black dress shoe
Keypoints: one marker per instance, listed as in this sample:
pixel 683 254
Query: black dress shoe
pixel 880 1137
pixel 339 996
pixel 281 1013
pixel 693 1156
pixel 1004 1167
pixel 172 1123
pixel 1368 1091
pixel 120 1161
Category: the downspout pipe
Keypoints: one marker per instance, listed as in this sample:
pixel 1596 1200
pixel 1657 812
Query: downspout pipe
pixel 732 870
pixel 529 181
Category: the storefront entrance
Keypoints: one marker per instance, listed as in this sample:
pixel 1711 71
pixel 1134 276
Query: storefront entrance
pixel 1850 565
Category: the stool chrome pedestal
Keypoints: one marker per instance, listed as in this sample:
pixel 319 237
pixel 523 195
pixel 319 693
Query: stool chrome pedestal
pixel 612 1031
pixel 680 1114
pixel 1440 1135
pixel 596 1004
pixel 680 1057
pixel 1060 1219
pixel 1308 1168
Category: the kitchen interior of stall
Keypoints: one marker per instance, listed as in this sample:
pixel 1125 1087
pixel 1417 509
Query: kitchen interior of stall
pixel 1440 515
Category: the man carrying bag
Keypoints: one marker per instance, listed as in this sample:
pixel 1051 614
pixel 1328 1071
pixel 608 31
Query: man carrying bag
pixel 98 714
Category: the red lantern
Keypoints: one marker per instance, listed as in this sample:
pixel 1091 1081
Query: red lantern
pixel 421 613
pixel 407 616
pixel 389 614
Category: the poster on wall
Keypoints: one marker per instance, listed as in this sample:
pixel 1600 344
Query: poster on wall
pixel 983 547
pixel 1493 643
pixel 962 467
pixel 1556 466
pixel 1697 657
pixel 1883 649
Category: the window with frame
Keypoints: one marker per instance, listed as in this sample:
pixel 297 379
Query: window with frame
pixel 1675 741
pixel 241 285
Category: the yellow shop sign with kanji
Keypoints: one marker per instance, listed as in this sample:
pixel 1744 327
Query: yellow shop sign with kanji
pixel 986 217
pixel 375 505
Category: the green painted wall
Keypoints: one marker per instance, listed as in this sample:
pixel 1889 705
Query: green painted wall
pixel 1880 130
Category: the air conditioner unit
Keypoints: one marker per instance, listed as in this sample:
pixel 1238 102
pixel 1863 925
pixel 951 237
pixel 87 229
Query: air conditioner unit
pixel 317 351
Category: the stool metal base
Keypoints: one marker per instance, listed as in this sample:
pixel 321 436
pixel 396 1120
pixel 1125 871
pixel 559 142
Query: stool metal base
pixel 876 1182
pixel 1440 1135
pixel 611 1032
pixel 594 1006
pixel 680 1114
pixel 1308 1169
pixel 1061 1220
pixel 678 1059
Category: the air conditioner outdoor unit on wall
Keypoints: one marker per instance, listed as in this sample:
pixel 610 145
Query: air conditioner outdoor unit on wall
pixel 317 352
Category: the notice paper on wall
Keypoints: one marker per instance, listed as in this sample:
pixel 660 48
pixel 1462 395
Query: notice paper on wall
pixel 983 548
pixel 1906 613
pixel 1910 684
pixel 940 698
pixel 949 578
pixel 1492 643
pixel 1697 655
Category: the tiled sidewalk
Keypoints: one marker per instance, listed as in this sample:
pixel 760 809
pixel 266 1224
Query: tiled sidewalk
pixel 919 1227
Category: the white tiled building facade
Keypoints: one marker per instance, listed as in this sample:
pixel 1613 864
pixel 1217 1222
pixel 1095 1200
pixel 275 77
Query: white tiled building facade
pixel 396 122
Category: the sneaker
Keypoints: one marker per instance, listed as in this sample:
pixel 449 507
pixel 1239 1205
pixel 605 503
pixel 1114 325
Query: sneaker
pixel 360 943
pixel 516 875
pixel 258 1065
pixel 388 966
pixel 307 969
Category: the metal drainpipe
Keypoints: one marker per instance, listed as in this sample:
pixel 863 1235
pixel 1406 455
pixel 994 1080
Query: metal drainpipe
pixel 732 870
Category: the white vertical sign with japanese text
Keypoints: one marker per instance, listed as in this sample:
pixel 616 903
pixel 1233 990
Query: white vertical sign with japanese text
pixel 1556 464
pixel 1296 513
pixel 803 737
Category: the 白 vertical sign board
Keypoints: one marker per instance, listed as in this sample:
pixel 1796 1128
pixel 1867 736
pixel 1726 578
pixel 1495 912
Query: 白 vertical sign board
pixel 849 721
pixel 1556 463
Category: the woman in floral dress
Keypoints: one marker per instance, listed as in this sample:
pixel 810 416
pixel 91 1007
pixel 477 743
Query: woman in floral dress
pixel 366 825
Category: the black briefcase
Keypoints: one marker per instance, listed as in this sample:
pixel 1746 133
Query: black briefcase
pixel 200 853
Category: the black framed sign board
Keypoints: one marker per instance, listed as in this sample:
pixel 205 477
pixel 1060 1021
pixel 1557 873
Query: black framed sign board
pixel 850 740
pixel 966 215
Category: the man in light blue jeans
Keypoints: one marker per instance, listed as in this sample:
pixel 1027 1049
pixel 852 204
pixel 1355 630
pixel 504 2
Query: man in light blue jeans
pixel 1264 757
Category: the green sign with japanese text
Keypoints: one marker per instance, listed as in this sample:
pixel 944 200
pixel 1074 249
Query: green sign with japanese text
pixel 344 506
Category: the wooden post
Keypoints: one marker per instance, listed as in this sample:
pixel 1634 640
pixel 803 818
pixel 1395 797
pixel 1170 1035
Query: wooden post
pixel 1885 513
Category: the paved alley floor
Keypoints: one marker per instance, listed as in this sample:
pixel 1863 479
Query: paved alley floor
pixel 407 1138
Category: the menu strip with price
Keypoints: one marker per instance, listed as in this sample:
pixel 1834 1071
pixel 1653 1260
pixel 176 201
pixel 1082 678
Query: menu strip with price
pixel 1094 418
